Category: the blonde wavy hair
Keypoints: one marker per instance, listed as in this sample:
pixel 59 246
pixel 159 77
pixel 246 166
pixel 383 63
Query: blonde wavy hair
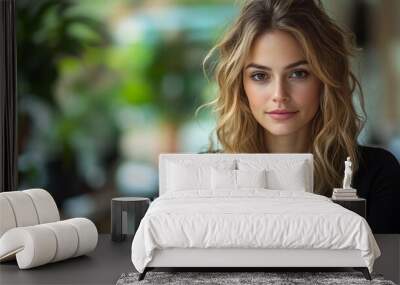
pixel 327 48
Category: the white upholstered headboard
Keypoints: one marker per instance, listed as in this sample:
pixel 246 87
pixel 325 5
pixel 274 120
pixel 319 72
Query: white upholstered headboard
pixel 212 158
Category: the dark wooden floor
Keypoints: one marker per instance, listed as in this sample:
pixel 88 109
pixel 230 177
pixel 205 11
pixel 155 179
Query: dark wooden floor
pixel 110 259
pixel 102 266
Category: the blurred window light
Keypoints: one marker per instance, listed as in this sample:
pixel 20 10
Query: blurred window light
pixel 137 179
pixel 151 24
pixel 79 206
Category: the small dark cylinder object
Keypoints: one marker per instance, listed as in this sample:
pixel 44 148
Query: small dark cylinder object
pixel 126 214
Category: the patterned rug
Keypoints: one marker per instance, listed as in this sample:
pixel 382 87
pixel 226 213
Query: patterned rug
pixel 230 278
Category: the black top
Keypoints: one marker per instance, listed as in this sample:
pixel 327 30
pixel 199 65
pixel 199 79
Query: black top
pixel 378 181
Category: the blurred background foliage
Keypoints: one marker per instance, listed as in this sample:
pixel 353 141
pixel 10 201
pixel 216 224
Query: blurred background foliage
pixel 105 86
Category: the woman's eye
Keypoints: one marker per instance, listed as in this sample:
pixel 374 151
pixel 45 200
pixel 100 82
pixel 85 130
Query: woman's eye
pixel 299 74
pixel 259 76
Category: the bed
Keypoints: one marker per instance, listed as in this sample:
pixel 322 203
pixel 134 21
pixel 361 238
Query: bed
pixel 247 210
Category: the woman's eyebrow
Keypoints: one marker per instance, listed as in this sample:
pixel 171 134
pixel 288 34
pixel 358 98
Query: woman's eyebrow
pixel 259 66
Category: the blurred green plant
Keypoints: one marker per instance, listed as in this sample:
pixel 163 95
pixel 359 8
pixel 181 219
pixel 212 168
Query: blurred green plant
pixel 74 81
pixel 48 30
pixel 51 140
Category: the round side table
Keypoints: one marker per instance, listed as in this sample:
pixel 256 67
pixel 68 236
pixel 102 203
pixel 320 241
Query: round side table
pixel 126 214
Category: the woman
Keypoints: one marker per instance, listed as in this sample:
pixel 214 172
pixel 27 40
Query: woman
pixel 285 86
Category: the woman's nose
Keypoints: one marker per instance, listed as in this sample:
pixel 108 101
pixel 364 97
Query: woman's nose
pixel 280 94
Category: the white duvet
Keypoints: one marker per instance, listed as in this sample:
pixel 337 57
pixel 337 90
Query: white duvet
pixel 251 218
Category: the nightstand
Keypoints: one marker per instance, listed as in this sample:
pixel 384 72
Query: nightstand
pixel 126 214
pixel 358 205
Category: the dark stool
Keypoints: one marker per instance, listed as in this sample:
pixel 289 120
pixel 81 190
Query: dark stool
pixel 126 214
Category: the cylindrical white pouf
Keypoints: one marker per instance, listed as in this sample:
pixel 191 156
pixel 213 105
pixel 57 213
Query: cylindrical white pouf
pixel 87 235
pixel 7 218
pixel 34 245
pixel 45 205
pixel 67 239
pixel 23 208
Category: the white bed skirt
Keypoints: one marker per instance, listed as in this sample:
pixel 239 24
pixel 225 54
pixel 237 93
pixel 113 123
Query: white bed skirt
pixel 235 257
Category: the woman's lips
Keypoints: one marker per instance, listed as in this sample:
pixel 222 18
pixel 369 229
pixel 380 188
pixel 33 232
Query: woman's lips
pixel 281 115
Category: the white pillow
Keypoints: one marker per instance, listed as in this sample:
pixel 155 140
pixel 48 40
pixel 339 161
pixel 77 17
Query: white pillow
pixel 295 178
pixel 187 177
pixel 193 174
pixel 282 175
pixel 236 179
pixel 223 179
pixel 251 178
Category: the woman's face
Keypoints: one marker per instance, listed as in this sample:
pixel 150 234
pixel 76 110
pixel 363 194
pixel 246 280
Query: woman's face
pixel 282 92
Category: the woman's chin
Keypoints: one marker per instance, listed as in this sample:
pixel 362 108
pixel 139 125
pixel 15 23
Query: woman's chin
pixel 280 131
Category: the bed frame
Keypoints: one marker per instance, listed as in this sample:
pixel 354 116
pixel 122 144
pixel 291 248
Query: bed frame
pixel 240 259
